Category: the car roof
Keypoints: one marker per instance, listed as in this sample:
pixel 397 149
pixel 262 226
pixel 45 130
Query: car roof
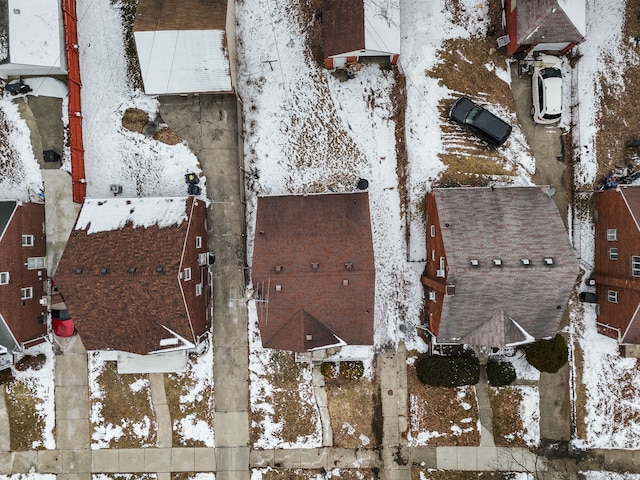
pixel 553 95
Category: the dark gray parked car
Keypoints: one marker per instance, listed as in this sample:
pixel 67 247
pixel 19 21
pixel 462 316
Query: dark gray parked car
pixel 482 123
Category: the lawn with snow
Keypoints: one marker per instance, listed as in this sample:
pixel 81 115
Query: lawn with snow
pixel 114 155
pixel 300 474
pixel 284 413
pixel 190 398
pixel 20 177
pixel 611 387
pixel 441 416
pixel 516 415
pixel 308 132
pixel 30 400
pixel 121 411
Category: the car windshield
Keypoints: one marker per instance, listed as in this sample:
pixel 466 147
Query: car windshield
pixel 550 116
pixel 551 72
pixel 473 113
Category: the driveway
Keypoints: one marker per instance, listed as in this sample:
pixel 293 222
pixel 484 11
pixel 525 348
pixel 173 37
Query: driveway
pixel 545 142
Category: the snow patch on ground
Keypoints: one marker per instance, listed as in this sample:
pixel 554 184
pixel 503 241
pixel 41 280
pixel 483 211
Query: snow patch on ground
pixel 612 386
pixel 21 178
pixel 114 155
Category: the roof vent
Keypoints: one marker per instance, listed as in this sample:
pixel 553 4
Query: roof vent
pixel 309 337
pixel 548 261
pixel 315 266
pixel 132 270
pixel 104 270
pixel 525 261
pixel 348 266
pixel 497 262
pixel 475 262
pixel 278 268
pixel 159 269
pixel 278 288
pixel 345 283
pixel 78 271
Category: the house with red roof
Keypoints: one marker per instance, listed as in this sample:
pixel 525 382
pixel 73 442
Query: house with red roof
pixel 617 263
pixel 354 31
pixel 500 267
pixel 134 275
pixel 22 278
pixel 544 25
pixel 313 271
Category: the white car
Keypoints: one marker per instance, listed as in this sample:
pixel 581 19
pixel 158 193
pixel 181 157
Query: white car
pixel 547 90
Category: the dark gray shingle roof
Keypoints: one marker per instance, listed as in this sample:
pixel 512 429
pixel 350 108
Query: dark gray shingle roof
pixel 506 224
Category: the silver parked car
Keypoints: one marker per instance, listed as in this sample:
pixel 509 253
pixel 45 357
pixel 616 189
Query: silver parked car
pixel 547 90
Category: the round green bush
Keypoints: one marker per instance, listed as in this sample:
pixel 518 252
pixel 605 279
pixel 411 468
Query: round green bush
pixel 328 369
pixel 548 355
pixel 351 370
pixel 448 371
pixel 500 374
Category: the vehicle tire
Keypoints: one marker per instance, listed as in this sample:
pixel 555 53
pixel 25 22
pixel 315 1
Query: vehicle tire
pixel 533 111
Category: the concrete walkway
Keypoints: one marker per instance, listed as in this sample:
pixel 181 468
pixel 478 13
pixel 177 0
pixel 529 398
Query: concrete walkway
pixel 210 124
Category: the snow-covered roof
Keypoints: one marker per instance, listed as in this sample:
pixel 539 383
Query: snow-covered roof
pixel 382 25
pixel 35 34
pixel 356 27
pixel 183 61
pixel 103 215
pixel 576 10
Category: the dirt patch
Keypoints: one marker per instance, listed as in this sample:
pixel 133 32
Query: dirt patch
pixel 581 392
pixel 619 120
pixel 128 12
pixel 447 416
pixel 31 362
pixel 135 119
pixel 399 101
pixel 168 136
pixel 507 422
pixel 352 407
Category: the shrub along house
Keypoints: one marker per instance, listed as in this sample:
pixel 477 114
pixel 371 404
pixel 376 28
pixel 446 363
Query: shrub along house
pixel 22 277
pixel 313 271
pixel 500 267
pixel 617 264
pixel 183 46
pixel 134 277
pixel 354 30
pixel 544 25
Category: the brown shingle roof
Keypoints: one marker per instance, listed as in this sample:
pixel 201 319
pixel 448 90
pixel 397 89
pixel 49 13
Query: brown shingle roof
pixel 544 21
pixel 342 26
pixel 509 224
pixel 113 288
pixel 154 15
pixel 324 290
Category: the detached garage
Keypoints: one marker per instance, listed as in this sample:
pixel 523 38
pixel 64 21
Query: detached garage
pixel 182 46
